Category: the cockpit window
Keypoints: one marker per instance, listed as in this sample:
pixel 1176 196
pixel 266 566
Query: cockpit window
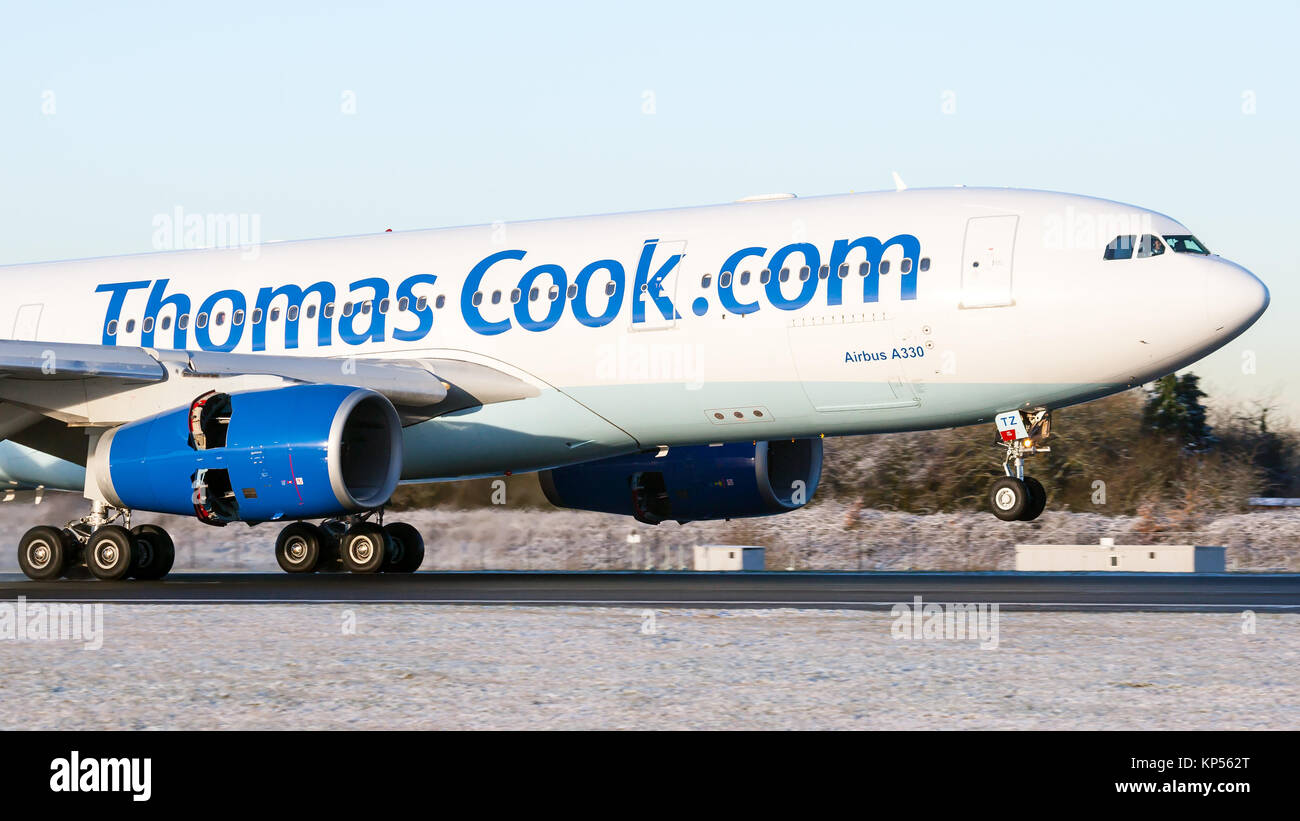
pixel 1121 247
pixel 1150 246
pixel 1186 244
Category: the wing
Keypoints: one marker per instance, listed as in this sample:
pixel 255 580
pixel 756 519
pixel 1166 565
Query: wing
pixel 49 389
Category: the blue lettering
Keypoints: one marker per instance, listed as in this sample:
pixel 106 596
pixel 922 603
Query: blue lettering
pixel 294 297
pixel 812 260
pixel 203 334
pixel 180 336
pixel 468 310
pixel 522 314
pixel 406 290
pixel 118 291
pixel 375 332
pixel 616 274
pixel 726 292
pixel 652 286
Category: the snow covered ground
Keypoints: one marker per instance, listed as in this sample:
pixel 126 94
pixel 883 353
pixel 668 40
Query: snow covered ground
pixel 414 667
pixel 825 536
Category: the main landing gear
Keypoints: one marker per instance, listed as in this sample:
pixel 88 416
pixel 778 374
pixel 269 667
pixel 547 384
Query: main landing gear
pixel 354 544
pixel 109 550
pixel 1015 496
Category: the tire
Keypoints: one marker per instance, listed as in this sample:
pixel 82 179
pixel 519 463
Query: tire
pixel 408 548
pixel 363 548
pixel 155 554
pixel 1008 497
pixel 298 548
pixel 43 553
pixel 1037 499
pixel 110 553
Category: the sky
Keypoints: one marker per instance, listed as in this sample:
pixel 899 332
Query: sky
pixel 325 119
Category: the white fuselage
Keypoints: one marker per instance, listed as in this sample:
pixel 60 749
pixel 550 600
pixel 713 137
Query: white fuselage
pixel 661 328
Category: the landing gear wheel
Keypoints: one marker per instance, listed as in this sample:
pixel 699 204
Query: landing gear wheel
pixel 110 553
pixel 1037 499
pixel 1009 498
pixel 43 554
pixel 408 548
pixel 363 548
pixel 155 552
pixel 298 547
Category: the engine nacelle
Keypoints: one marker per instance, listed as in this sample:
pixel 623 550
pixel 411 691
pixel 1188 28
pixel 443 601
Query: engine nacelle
pixel 298 452
pixel 693 483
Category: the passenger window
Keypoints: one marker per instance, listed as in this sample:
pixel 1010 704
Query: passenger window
pixel 220 318
pixel 112 327
pixel 610 288
pixel 554 293
pixel 744 278
pixel 365 306
pixel 906 266
pixel 130 325
pixel 347 306
pixel 864 269
pixel 166 323
pixel 422 301
pixel 705 280
pixel 514 295
pixel 403 303
pixel 572 291
pixel 148 324
pixel 328 310
pixel 257 316
pixel 496 297
pixel 478 298
pixel 884 267
pixel 765 276
pixel 1150 246
pixel 785 274
pixel 292 313
pixel 724 281
pixel 533 295
pixel 384 305
pixel 824 272
pixel 275 314
pixel 202 321
pixel 183 322
pixel 803 273
pixel 311 311
pixel 1120 247
pixel 237 318
pixel 925 263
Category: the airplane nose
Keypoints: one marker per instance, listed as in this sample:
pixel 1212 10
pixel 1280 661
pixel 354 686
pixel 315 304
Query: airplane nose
pixel 1235 298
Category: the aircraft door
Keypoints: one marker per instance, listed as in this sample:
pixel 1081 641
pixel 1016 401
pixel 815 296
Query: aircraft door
pixel 987 256
pixel 27 321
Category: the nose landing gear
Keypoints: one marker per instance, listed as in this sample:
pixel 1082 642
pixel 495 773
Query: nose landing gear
pixel 1017 497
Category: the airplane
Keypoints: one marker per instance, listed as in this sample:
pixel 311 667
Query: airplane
pixel 680 364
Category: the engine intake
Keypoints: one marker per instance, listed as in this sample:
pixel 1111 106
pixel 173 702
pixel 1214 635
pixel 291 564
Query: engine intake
pixel 299 452
pixel 693 483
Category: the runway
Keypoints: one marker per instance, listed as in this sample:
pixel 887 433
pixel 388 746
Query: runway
pixel 1083 592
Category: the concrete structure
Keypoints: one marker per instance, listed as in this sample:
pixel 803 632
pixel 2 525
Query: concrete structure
pixel 1161 558
pixel 729 557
